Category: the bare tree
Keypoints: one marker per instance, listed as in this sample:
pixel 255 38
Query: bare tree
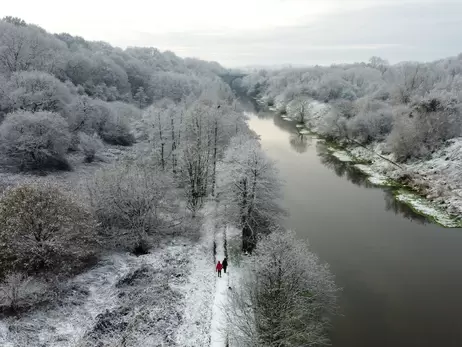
pixel 132 203
pixel 250 190
pixel 285 296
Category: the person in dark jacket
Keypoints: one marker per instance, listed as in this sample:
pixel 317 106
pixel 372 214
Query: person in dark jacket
pixel 218 268
pixel 225 264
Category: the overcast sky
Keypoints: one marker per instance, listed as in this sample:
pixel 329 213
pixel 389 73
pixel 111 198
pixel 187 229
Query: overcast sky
pixel 260 32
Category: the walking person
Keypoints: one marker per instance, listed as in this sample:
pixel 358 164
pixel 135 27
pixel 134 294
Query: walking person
pixel 219 267
pixel 225 264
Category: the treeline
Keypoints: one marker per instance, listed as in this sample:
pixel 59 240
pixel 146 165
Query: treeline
pixel 60 92
pixel 413 107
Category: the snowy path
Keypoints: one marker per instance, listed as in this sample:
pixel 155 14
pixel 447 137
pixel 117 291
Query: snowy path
pixel 218 328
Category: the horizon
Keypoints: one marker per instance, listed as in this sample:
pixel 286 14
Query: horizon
pixel 264 33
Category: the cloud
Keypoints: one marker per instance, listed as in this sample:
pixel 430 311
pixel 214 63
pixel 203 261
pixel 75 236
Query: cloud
pixel 242 32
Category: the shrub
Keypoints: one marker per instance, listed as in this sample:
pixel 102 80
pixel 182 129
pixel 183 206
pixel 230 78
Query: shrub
pixel 19 292
pixel 43 229
pixel 37 91
pixel 373 122
pixel 129 202
pixel 420 130
pixel 35 141
pixel 90 146
pixel 116 131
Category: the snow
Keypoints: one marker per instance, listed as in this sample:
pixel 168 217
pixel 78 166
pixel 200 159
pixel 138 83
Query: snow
pixel 218 334
pixel 341 155
pixel 441 176
pixel 123 290
pixel 428 209
pixel 199 293
pixel 304 131
pixel 373 176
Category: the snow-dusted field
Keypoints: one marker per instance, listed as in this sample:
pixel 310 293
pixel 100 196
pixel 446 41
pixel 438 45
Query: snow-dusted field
pixel 129 299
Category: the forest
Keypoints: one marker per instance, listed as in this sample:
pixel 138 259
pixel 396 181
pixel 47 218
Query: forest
pixel 119 168
pixel 414 107
pixel 408 112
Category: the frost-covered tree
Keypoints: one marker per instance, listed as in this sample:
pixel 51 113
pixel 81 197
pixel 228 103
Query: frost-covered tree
pixel 249 188
pixel 426 126
pixel 140 97
pixel 116 129
pixel 90 145
pixel 19 291
pixel 44 229
pixel 285 296
pixel 131 201
pixel 37 91
pixel 195 155
pixel 35 141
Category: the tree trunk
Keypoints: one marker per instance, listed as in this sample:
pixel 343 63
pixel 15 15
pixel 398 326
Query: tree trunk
pixel 214 177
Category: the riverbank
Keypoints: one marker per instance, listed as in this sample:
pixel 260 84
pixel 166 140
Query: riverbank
pixel 430 187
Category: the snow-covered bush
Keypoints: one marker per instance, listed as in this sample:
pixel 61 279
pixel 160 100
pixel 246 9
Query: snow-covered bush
pixel 90 145
pixel 130 202
pixel 84 115
pixel 35 141
pixel 420 130
pixel 285 296
pixel 109 120
pixel 116 129
pixel 43 229
pixel 373 121
pixel 19 292
pixel 37 91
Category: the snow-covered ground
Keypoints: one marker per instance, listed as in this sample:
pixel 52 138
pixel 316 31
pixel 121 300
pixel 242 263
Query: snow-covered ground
pixel 199 292
pixel 125 298
pixel 218 331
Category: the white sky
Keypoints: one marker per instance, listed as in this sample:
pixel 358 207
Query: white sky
pixel 260 32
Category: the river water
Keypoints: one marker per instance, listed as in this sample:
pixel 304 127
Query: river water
pixel 401 275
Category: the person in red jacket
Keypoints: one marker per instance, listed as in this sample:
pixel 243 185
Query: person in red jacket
pixel 219 267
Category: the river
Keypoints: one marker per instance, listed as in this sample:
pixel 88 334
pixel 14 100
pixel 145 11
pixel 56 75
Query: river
pixel 401 275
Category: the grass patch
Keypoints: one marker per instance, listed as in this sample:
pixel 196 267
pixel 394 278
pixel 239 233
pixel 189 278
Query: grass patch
pixel 427 208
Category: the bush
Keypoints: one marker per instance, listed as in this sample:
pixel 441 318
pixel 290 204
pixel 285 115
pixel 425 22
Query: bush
pixel 20 292
pixel 43 229
pixel 84 115
pixel 35 141
pixel 37 91
pixel 116 131
pixel 373 122
pixel 129 202
pixel 90 146
pixel 420 130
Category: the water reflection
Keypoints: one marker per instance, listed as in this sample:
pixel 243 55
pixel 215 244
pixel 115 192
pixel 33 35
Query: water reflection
pixel 300 142
pixel 391 269
pixel 355 176
pixel 391 204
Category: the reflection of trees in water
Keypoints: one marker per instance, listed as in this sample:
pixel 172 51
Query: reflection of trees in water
pixel 353 175
pixel 300 142
pixel 286 125
pixel 340 168
pixel 398 207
